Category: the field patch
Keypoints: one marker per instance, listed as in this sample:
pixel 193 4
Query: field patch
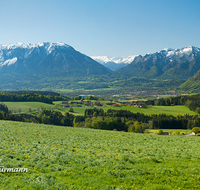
pixel 169 110
pixel 24 106
pixel 77 158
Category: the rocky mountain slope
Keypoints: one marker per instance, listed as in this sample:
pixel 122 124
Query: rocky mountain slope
pixel 47 58
pixel 166 64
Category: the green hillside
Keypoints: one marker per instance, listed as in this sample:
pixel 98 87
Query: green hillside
pixel 25 106
pixel 192 85
pixel 77 158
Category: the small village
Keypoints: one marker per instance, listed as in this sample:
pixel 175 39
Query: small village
pixel 88 103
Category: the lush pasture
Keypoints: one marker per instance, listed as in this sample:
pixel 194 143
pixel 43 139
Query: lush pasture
pixel 24 106
pixel 77 158
pixel 170 110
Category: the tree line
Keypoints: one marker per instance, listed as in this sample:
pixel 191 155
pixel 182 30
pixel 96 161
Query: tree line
pixel 4 108
pixel 128 121
pixel 191 101
pixel 30 97
pixel 120 120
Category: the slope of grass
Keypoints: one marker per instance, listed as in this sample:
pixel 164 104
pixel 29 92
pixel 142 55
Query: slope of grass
pixel 192 84
pixel 169 110
pixel 77 158
pixel 24 106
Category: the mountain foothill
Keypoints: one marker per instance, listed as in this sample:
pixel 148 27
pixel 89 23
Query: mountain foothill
pixel 59 59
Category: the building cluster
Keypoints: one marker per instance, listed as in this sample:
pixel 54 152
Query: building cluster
pixel 87 103
pixel 98 104
pixel 137 104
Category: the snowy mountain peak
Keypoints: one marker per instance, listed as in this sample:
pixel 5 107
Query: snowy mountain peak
pixel 46 45
pixel 117 60
pixel 114 63
pixel 46 57
pixel 169 52
pixel 167 49
pixel 10 53
pixel 166 64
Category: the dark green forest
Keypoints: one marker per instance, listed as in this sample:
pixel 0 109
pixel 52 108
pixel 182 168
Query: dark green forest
pixel 190 101
pixel 32 96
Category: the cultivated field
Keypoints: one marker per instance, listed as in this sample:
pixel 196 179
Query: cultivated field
pixel 76 158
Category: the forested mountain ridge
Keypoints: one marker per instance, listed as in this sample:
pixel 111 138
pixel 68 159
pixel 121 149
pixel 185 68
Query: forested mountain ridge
pixel 167 64
pixel 192 85
pixel 31 96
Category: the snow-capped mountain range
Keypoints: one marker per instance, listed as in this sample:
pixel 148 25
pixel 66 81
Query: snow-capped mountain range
pixel 10 53
pixel 114 63
pixel 62 59
pixel 40 58
pixel 118 60
pixel 168 63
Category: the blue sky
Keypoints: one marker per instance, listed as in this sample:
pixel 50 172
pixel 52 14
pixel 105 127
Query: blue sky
pixel 103 27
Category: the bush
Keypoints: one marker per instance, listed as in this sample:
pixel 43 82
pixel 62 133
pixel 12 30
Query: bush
pixel 177 132
pixel 131 128
pixel 195 130
pixel 146 131
pixel 170 132
pixel 198 110
pixel 71 109
pixel 138 128
pixel 160 132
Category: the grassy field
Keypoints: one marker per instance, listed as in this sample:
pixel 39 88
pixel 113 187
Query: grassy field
pixel 24 106
pixel 76 158
pixel 170 110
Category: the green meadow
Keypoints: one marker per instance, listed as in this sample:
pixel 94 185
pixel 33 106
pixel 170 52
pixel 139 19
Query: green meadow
pixel 79 158
pixel 24 106
pixel 169 110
